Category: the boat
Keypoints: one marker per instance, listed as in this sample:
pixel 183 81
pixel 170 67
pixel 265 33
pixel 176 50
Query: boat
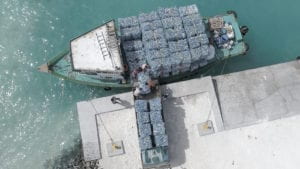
pixel 175 43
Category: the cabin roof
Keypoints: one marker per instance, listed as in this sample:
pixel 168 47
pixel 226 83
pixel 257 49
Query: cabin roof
pixel 97 50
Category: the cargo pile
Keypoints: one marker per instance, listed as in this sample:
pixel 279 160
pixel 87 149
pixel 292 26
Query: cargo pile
pixel 170 40
pixel 151 126
pixel 223 32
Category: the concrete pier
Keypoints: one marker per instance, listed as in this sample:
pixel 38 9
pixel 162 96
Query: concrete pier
pixel 258 95
pixel 229 101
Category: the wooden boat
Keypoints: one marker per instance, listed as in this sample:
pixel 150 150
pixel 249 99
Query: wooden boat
pixel 97 57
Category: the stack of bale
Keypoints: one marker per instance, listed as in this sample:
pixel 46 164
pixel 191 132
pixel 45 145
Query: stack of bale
pixel 143 121
pixel 155 44
pixel 151 126
pixel 176 37
pixel 169 40
pixel 197 38
pixel 131 38
pixel 157 122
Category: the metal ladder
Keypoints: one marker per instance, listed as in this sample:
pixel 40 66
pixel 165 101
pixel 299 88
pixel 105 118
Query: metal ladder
pixel 103 45
pixel 112 40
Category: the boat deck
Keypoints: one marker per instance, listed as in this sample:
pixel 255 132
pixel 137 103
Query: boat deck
pixel 228 101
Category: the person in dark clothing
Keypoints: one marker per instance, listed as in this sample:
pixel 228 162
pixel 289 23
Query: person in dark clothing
pixel 115 100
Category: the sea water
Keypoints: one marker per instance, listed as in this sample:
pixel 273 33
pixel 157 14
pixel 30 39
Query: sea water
pixel 39 124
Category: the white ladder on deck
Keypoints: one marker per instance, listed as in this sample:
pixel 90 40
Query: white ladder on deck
pixel 103 45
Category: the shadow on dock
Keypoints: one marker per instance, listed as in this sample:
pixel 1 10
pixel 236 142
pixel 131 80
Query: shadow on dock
pixel 174 116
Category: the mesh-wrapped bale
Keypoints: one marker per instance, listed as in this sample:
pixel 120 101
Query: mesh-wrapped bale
pixel 194 30
pixel 135 56
pixel 145 143
pixel 166 66
pixel 194 42
pixel 156 116
pixel 191 20
pixel 153 34
pixel 196 54
pixel 203 39
pixel 141 105
pixel 168 12
pixel 155 104
pixel 172 22
pixel 176 33
pixel 211 53
pixel 188 10
pixel 157 54
pixel 141 62
pixel 197 41
pixel 155 44
pixel 204 51
pixel 156 67
pixel 176 61
pixel 147 17
pixel 128 22
pixel 135 59
pixel 143 117
pixel 177 46
pixel 151 25
pixel 186 61
pixel 161 140
pixel 144 129
pixel 158 128
pixel 132 45
pixel 131 33
pixel 135 65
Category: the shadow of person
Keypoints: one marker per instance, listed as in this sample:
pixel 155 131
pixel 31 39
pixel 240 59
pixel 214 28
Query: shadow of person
pixel 124 103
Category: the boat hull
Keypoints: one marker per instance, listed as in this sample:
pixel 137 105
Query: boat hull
pixel 61 66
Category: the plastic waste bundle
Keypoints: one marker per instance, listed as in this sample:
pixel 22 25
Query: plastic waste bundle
pixel 173 40
pixel 153 34
pixel 145 143
pixel 133 45
pixel 150 122
pixel 131 38
pixel 151 25
pixel 178 46
pixel 128 22
pixel 147 17
pixel 168 12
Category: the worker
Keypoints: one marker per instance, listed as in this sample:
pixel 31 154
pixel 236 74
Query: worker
pixel 145 67
pixel 152 83
pixel 115 100
pixel 135 72
pixel 137 91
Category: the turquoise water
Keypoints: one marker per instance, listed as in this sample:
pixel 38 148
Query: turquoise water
pixel 39 123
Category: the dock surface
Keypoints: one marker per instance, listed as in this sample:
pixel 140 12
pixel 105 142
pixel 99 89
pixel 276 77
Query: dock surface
pixel 229 101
